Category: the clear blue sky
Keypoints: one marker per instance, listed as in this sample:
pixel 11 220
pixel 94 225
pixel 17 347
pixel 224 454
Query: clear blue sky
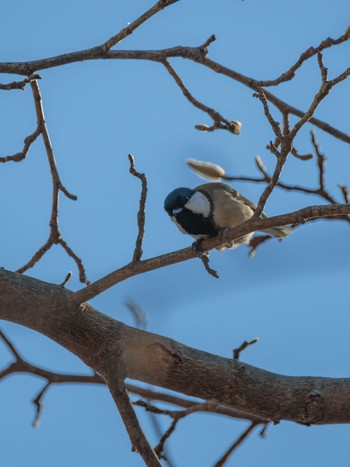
pixel 293 295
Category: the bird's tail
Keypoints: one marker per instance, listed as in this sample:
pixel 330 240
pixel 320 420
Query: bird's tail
pixel 279 232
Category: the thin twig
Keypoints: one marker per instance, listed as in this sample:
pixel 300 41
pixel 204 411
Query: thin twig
pixel 286 141
pixel 244 345
pixel 235 445
pixel 178 415
pixel 309 53
pixel 281 105
pixel 197 54
pixel 324 90
pixel 18 84
pixel 19 156
pixel 274 124
pixel 255 242
pixel 135 24
pixel 205 260
pixel 11 347
pixel 67 278
pixel 57 186
pixel 39 406
pixel 141 215
pixel 320 191
pixel 320 161
pixel 159 449
pixel 345 192
pixel 138 439
pixel 219 122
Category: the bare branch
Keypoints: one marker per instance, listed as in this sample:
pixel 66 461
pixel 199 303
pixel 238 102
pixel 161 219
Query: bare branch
pixel 345 192
pixel 141 217
pixel 159 449
pixel 22 366
pixel 55 234
pixel 297 217
pixel 320 191
pixel 219 122
pixel 243 346
pixel 324 90
pixel 274 124
pixel 160 5
pixel 197 54
pixel 309 53
pixel 18 84
pixel 39 407
pixel 281 105
pixel 67 278
pixel 320 161
pixel 256 241
pixel 19 156
pixel 235 445
pixel 138 439
pixel 204 257
pixel 11 347
pixel 102 343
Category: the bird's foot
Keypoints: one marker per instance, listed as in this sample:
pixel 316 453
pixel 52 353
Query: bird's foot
pixel 198 249
pixel 227 243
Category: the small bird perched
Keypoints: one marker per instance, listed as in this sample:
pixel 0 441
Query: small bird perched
pixel 209 209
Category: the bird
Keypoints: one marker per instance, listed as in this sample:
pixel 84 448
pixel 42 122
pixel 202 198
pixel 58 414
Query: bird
pixel 212 208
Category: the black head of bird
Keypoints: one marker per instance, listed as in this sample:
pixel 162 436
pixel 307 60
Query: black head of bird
pixel 208 209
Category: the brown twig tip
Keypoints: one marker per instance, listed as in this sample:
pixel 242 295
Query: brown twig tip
pixel 235 445
pixel 19 156
pixel 323 69
pixel 141 215
pixel 55 237
pixel 204 47
pixel 67 278
pixel 39 406
pixel 205 260
pixel 345 192
pixel 243 346
pixel 255 242
pixel 204 257
pixel 131 161
pixel 262 433
pixel 273 123
pixel 219 122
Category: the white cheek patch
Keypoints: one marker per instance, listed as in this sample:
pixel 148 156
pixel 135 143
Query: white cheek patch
pixel 199 204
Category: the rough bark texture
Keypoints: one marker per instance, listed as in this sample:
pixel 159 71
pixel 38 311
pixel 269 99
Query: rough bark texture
pixel 109 346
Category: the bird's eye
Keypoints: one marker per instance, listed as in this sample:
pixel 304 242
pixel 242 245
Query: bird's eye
pixel 177 210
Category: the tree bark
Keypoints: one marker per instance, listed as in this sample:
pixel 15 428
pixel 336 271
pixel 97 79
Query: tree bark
pixel 109 346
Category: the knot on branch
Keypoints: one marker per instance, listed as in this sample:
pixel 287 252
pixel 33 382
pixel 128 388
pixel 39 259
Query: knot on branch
pixel 314 409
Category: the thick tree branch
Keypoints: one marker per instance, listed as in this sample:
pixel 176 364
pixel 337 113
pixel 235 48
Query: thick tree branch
pixel 52 378
pixel 102 343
